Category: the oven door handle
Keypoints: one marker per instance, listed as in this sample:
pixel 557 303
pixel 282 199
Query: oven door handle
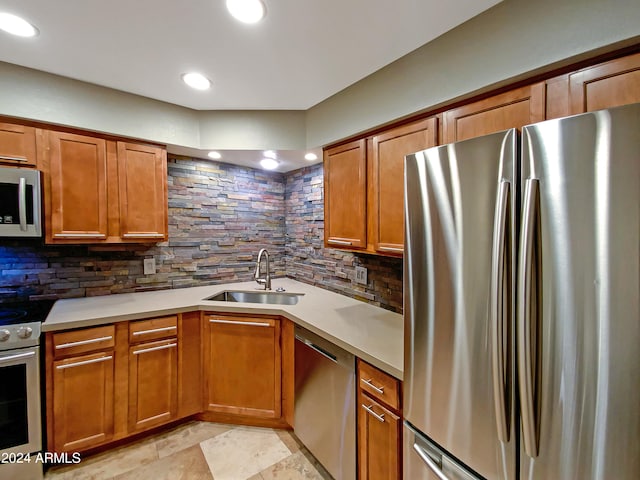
pixel 17 356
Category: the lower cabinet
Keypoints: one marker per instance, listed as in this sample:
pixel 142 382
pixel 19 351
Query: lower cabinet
pixel 153 373
pixel 379 425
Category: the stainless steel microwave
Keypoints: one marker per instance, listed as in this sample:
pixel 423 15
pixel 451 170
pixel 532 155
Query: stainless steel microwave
pixel 20 203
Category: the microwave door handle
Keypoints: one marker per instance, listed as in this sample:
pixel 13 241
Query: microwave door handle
pixel 22 203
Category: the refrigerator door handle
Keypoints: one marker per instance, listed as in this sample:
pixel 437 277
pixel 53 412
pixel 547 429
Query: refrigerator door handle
pixel 499 268
pixel 526 279
pixel 433 466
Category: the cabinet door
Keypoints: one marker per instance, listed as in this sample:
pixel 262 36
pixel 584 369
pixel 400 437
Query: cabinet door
pixel 378 441
pixel 77 171
pixel 513 109
pixel 345 195
pixel 153 384
pixel 606 85
pixel 83 401
pixel 142 181
pixel 17 144
pixel 389 150
pixel 243 366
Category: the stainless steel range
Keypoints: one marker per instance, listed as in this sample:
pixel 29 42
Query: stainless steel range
pixel 20 419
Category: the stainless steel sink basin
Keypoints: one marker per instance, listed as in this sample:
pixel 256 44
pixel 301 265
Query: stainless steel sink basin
pixel 279 298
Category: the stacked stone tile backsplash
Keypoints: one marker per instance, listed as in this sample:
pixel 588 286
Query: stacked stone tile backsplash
pixel 220 215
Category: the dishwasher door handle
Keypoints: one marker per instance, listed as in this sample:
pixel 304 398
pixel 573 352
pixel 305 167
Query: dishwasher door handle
pixel 318 349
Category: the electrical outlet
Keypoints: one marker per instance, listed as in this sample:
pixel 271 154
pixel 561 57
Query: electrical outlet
pixel 361 275
pixel 149 266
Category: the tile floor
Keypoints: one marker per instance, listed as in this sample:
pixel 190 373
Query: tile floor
pixel 202 451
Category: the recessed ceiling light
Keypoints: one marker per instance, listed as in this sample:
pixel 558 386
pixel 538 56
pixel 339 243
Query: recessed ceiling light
pixel 247 11
pixel 16 26
pixel 215 155
pixel 311 157
pixel 269 163
pixel 270 154
pixel 196 80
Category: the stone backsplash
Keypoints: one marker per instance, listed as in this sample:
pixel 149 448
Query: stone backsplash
pixel 220 215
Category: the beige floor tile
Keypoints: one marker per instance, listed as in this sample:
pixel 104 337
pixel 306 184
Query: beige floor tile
pixel 104 466
pixel 294 467
pixel 243 452
pixel 188 435
pixel 187 464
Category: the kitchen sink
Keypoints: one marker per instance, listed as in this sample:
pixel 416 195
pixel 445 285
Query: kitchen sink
pixel 279 298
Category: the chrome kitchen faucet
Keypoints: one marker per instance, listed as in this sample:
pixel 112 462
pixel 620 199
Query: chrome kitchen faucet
pixel 267 280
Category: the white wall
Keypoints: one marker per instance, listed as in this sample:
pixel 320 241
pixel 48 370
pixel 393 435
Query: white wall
pixel 513 40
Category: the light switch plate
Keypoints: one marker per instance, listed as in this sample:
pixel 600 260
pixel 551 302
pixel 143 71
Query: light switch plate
pixel 361 275
pixel 149 266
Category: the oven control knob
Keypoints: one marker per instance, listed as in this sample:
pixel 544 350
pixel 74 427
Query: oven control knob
pixel 4 335
pixel 25 332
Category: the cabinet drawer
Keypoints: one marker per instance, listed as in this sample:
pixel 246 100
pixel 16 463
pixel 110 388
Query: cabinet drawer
pixel 83 341
pixel 379 385
pixel 153 328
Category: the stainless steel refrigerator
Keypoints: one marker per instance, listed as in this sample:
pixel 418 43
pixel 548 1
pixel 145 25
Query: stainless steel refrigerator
pixel 522 303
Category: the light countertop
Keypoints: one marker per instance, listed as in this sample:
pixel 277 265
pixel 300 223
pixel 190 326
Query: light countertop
pixel 371 333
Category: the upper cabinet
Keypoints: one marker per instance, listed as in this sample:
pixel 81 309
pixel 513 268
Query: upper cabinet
pixel 345 195
pixel 387 186
pixel 512 109
pixel 17 145
pixel 102 191
pixel 606 85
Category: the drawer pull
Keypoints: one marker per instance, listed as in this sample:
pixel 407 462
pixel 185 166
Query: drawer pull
pixel 83 342
pixel 233 322
pixel 79 235
pixel 369 410
pixel 380 390
pixel 14 159
pixel 85 362
pixel 391 249
pixel 153 349
pixel 154 330
pixel 339 242
pixel 143 235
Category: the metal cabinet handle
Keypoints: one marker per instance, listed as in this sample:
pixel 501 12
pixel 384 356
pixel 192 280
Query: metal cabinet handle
pixel 22 203
pixel 154 330
pixel 79 235
pixel 497 313
pixel 391 249
pixel 18 356
pixel 368 382
pixel 14 159
pixel 143 235
pixel 83 342
pixel 525 361
pixel 153 349
pixel 85 362
pixel 369 410
pixel 233 322
pixel 339 242
pixel 429 461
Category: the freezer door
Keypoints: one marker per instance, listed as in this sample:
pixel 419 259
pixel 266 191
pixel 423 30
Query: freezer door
pixel 423 460
pixel 459 335
pixel 579 297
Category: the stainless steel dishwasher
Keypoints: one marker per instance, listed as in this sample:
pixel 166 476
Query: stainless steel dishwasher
pixel 325 405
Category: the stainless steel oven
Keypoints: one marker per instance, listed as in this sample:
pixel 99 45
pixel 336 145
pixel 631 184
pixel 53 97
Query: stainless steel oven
pixel 20 202
pixel 20 399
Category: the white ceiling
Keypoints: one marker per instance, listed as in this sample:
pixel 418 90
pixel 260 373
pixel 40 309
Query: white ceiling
pixel 303 52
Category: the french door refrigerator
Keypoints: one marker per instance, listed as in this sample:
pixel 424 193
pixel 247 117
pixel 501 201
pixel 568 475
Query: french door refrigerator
pixel 522 303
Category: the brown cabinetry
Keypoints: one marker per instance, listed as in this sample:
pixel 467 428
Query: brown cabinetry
pixel 387 186
pixel 345 196
pixel 512 109
pixel 80 390
pixel 102 191
pixel 379 425
pixel 153 373
pixel 17 145
pixel 243 365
